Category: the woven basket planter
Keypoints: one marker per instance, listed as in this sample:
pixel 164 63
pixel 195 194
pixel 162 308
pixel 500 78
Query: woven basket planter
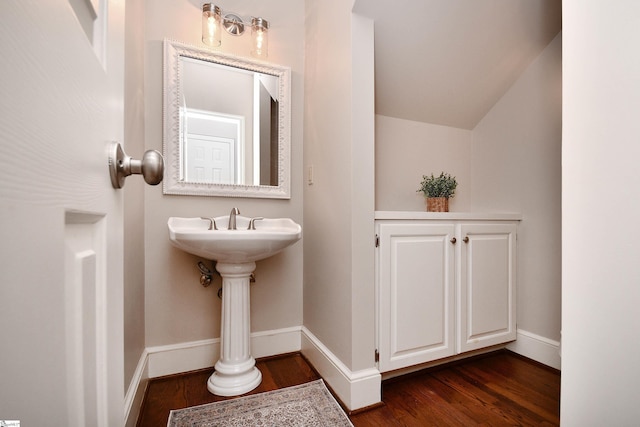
pixel 437 204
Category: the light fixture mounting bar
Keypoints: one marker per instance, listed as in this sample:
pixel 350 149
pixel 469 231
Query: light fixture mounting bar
pixel 233 24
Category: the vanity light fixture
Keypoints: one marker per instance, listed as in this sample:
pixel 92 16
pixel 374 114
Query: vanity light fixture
pixel 211 25
pixel 259 37
pixel 213 20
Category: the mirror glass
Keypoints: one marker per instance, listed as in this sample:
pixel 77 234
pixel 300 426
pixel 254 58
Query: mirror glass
pixel 226 124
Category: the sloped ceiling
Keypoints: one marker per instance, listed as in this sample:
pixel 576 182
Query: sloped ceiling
pixel 448 62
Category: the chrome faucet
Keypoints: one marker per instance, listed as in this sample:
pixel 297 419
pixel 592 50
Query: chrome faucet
pixel 232 219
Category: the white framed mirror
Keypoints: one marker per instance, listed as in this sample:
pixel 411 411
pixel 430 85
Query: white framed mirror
pixel 226 124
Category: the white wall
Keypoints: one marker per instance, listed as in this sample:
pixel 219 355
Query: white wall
pixel 362 193
pixel 516 167
pixel 134 339
pixel 339 296
pixel 327 149
pixel 178 309
pixel 407 150
pixel 600 212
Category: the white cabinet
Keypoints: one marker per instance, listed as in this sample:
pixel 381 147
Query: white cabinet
pixel 443 288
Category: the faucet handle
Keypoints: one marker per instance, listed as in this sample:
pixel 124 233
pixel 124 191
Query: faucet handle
pixel 252 222
pixel 212 223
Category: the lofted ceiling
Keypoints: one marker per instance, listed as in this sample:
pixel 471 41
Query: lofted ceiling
pixel 448 62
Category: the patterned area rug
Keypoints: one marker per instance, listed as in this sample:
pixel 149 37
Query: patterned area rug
pixel 306 405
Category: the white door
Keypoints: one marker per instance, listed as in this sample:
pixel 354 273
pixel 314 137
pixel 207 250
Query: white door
pixel 209 159
pixel 61 315
pixel 214 150
pixel 416 293
pixel 487 295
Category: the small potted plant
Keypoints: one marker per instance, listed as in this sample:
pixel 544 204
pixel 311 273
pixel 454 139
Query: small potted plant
pixel 437 191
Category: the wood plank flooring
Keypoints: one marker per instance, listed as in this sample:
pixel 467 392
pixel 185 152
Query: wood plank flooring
pixel 190 389
pixel 498 389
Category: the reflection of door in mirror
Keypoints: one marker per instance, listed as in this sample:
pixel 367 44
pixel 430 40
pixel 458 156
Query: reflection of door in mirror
pixel 228 131
pixel 218 108
pixel 213 148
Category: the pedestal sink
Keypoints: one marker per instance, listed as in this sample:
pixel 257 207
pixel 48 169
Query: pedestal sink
pixel 235 251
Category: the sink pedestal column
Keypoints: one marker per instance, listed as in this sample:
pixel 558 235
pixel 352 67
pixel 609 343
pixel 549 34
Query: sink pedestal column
pixel 235 372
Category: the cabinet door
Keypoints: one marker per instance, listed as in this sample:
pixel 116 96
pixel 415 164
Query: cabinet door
pixel 487 290
pixel 415 294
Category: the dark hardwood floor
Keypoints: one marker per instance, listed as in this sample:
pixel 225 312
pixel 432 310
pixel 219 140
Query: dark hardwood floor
pixel 190 389
pixel 498 389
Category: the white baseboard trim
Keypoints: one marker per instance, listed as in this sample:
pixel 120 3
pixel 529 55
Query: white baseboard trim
pixel 190 356
pixel 538 348
pixel 355 389
pixel 135 391
pixel 171 359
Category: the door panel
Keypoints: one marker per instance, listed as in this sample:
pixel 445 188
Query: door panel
pixel 487 286
pixel 416 300
pixel 60 220
pixel 210 159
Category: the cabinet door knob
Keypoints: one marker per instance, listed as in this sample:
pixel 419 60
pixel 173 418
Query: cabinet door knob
pixel 466 239
pixel 453 240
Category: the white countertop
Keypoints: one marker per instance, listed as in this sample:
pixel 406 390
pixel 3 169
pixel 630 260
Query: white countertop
pixel 469 216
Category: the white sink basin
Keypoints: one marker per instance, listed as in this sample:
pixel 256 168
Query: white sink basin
pixel 233 246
